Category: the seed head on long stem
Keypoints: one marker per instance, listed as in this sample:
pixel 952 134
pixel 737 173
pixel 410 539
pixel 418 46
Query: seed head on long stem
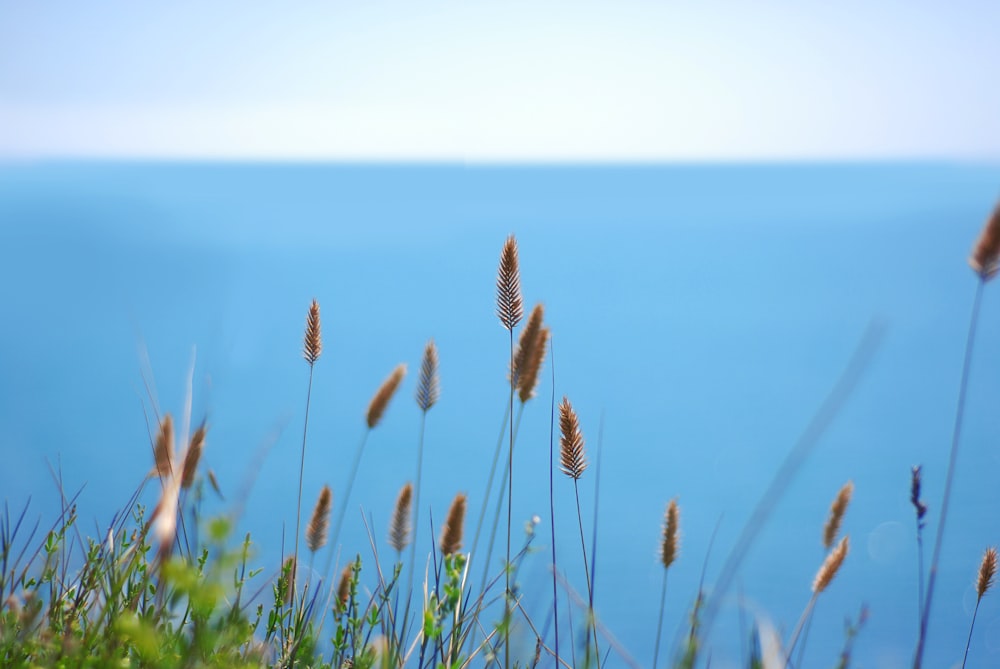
pixel 313 344
pixel 573 460
pixel 319 523
pixel 399 529
pixel 163 451
pixel 987 570
pixel 510 307
pixel 830 566
pixel 382 396
pixel 985 258
pixel 526 342
pixel 837 511
pixel 192 456
pixel 671 529
pixel 451 534
pixel 428 388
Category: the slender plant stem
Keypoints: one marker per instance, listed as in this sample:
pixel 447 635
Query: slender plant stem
pixel 510 496
pixel 416 505
pixel 806 614
pixel 302 468
pixel 586 568
pixel 552 503
pixel 971 625
pixel 659 623
pixel 920 573
pixel 347 496
pixel 486 496
pixel 949 477
pixel 501 496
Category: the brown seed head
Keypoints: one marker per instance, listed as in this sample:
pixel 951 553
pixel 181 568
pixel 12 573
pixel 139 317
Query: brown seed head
pixel 163 451
pixel 192 456
pixel 382 396
pixel 830 566
pixel 214 482
pixel 529 334
pixel 985 258
pixel 987 570
pixel 837 510
pixel 427 388
pixel 573 460
pixel 399 529
pixel 671 528
pixel 288 577
pixel 344 588
pixel 451 533
pixel 313 345
pixel 510 307
pixel 319 523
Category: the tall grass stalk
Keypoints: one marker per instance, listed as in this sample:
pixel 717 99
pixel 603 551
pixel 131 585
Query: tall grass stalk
pixel 510 311
pixel 984 581
pixel 312 348
pixel 950 475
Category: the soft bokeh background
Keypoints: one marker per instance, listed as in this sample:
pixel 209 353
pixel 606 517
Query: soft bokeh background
pixel 701 308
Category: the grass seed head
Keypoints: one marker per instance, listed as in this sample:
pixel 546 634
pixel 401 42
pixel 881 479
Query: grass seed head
pixel 313 344
pixel 987 570
pixel 830 566
pixel 451 534
pixel 573 459
pixel 837 510
pixel 319 522
pixel 428 388
pixel 510 306
pixel 382 396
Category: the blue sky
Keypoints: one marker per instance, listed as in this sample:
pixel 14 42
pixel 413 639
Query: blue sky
pixel 628 80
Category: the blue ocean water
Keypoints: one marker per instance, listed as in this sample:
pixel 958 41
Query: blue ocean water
pixel 700 315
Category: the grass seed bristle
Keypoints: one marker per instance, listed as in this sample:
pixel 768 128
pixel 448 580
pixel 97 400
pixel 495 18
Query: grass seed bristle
pixel 427 388
pixel 837 510
pixel 399 529
pixel 671 531
pixel 510 306
pixel 985 258
pixel 382 396
pixel 572 458
pixel 192 456
pixel 163 451
pixel 830 566
pixel 344 588
pixel 451 534
pixel 319 522
pixel 987 570
pixel 313 344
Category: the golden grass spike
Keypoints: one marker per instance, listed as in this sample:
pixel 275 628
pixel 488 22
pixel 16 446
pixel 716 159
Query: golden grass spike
pixel 399 529
pixel 671 531
pixel 427 387
pixel 525 343
pixel 987 570
pixel 830 566
pixel 985 258
pixel 288 577
pixel 192 456
pixel 573 460
pixel 319 522
pixel 344 588
pixel 313 345
pixel 382 396
pixel 163 451
pixel 451 533
pixel 510 307
pixel 528 381
pixel 837 511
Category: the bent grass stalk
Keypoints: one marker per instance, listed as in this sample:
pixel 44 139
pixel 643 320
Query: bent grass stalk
pixel 668 553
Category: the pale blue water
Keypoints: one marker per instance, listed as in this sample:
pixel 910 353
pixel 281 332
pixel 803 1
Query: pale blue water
pixel 703 311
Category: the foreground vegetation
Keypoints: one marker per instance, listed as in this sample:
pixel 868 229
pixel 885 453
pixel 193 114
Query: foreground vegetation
pixel 166 587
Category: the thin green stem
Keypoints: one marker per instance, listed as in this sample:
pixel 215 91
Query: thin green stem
pixel 971 625
pixel 347 496
pixel 806 614
pixel 592 623
pixel 950 476
pixel 510 498
pixel 659 620
pixel 552 503
pixel 302 468
pixel 416 506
